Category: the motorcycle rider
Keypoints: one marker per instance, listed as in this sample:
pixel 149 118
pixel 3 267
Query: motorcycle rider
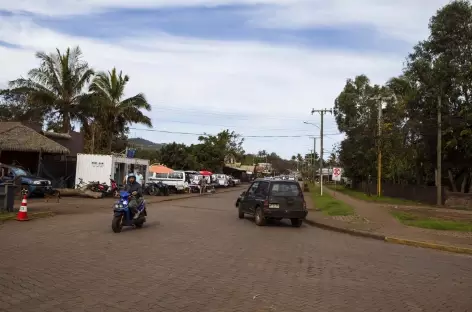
pixel 135 189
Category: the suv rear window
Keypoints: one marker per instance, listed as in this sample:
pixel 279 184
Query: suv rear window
pixel 285 189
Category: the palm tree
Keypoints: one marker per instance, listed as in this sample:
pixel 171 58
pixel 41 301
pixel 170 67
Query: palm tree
pixel 115 113
pixel 57 85
pixel 333 160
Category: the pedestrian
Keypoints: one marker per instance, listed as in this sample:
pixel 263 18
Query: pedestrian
pixel 125 179
pixel 139 177
pixel 202 184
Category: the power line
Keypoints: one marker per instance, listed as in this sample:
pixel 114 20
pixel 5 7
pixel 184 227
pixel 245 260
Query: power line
pixel 243 136
pixel 233 115
pixel 226 126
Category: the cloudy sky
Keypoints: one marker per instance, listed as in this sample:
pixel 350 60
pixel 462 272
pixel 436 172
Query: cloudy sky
pixel 255 67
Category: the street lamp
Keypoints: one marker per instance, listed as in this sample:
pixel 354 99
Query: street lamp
pixel 310 123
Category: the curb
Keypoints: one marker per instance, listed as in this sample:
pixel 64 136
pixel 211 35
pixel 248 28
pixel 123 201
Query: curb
pixel 393 240
pixel 345 231
pixel 449 248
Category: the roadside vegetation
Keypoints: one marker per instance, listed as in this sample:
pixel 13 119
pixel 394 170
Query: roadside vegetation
pixel 4 216
pixel 435 73
pixel 329 205
pixel 433 222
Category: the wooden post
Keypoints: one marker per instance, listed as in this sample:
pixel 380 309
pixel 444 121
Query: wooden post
pixel 39 163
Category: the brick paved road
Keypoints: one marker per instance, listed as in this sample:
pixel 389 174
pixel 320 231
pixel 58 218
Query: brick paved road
pixel 196 255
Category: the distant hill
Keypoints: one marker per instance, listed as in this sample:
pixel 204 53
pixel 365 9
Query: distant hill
pixel 145 144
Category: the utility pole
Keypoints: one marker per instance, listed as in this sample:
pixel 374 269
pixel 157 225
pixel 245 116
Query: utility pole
pixel 379 141
pixel 314 151
pixel 379 151
pixel 439 158
pixel 322 112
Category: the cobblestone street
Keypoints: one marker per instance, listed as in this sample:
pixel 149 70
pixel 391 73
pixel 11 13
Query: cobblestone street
pixel 196 255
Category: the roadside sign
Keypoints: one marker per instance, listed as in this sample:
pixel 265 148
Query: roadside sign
pixel 337 174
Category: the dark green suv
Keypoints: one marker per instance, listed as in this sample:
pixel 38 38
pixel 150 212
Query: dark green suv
pixel 273 199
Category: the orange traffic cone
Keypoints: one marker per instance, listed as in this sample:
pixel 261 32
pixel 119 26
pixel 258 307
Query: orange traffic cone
pixel 23 213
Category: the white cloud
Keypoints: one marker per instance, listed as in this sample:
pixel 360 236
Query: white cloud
pixel 70 7
pixel 194 74
pixel 403 19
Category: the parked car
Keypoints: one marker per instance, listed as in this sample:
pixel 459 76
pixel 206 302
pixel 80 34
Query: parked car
pixel 221 180
pixel 273 199
pixel 29 183
pixel 233 181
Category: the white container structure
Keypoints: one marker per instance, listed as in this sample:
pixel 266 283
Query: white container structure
pixel 94 167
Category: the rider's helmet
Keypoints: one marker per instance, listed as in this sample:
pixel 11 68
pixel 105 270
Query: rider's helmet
pixel 131 177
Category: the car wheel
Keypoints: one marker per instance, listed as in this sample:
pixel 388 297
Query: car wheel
pixel 259 217
pixel 296 222
pixel 240 213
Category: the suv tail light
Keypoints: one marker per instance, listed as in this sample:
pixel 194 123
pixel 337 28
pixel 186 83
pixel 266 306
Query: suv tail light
pixel 304 205
pixel 266 203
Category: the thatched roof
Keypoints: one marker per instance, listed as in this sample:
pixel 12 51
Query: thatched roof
pixel 15 136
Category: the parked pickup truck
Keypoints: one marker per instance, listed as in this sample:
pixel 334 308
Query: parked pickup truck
pixel 175 180
pixel 30 184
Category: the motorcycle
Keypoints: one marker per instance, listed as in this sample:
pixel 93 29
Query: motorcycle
pixel 123 216
pixel 96 186
pixel 81 184
pixel 113 190
pixel 157 189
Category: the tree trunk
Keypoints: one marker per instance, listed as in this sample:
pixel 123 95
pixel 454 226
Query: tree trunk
pixel 464 182
pixel 110 130
pixel 110 142
pixel 451 180
pixel 65 122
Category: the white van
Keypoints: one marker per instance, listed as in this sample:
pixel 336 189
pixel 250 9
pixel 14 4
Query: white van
pixel 174 179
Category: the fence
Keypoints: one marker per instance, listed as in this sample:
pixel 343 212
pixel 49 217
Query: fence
pixel 417 193
pixel 61 173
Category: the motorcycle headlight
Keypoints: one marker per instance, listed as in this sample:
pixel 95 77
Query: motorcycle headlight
pixel 120 206
pixel 116 206
pixel 125 202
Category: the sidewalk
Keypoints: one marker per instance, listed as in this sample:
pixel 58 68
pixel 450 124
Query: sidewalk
pixel 375 220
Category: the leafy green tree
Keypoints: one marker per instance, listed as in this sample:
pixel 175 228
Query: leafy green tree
pixel 17 107
pixel 213 149
pixel 177 156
